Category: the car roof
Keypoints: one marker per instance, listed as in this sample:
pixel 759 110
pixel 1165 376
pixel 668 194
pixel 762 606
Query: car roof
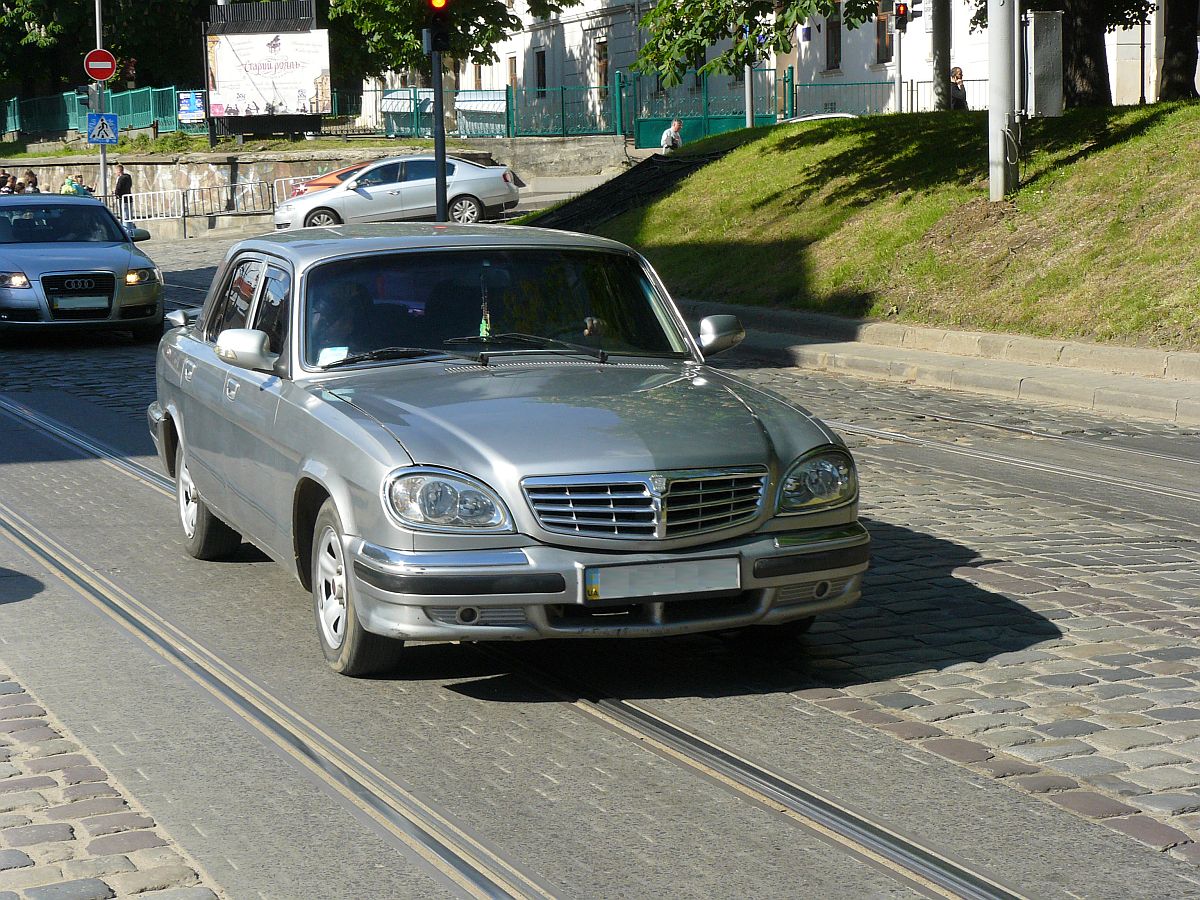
pixel 305 246
pixel 43 198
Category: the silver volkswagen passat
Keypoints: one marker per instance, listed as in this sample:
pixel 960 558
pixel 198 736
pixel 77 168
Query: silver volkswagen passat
pixel 494 433
pixel 404 188
pixel 66 261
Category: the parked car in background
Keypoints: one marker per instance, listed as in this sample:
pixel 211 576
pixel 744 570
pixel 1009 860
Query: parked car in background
pixel 494 433
pixel 66 261
pixel 328 180
pixel 403 187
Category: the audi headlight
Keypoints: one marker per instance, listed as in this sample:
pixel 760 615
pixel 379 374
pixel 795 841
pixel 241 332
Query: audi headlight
pixel 431 500
pixel 817 481
pixel 141 276
pixel 13 280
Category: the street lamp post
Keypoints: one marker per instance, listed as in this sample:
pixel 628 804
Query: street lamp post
pixel 100 102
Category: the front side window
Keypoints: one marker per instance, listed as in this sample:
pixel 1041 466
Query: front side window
pixel 470 301
pixel 272 313
pixel 233 304
pixel 53 223
pixel 385 174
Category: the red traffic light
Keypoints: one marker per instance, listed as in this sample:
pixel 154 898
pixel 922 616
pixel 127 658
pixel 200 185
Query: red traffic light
pixel 901 9
pixel 437 4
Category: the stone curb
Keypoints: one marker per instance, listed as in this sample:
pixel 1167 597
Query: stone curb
pixel 1053 372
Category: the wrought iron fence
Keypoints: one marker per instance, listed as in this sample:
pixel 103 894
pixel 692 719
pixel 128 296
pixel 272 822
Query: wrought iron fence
pixel 704 104
pixel 921 94
pixel 859 97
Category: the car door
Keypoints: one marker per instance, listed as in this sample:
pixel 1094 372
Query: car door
pixel 376 196
pixel 258 477
pixel 419 188
pixel 206 432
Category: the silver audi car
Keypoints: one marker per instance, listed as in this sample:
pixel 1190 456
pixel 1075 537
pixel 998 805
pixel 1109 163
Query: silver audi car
pixel 457 433
pixel 67 262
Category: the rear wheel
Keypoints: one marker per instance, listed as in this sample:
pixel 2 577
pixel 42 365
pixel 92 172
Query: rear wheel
pixel 204 535
pixel 322 218
pixel 465 210
pixel 349 649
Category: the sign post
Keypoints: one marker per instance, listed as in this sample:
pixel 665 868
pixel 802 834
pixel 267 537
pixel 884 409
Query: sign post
pixel 102 128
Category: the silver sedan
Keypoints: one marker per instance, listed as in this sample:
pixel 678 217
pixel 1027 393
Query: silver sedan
pixel 404 188
pixel 65 261
pixel 494 433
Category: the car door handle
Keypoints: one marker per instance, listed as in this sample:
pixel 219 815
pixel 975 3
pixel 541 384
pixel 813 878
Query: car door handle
pixel 231 389
pixel 393 193
pixel 189 367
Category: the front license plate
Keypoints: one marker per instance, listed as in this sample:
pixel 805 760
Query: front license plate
pixel 80 302
pixel 691 576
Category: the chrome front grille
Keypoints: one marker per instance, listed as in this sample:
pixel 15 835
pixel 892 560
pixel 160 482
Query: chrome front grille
pixel 650 506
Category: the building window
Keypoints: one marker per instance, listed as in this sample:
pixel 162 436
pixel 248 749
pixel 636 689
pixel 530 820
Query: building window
pixel 539 68
pixel 512 72
pixel 883 37
pixel 602 68
pixel 833 39
pixel 478 77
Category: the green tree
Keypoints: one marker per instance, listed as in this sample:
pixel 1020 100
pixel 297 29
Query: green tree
pixel 1179 50
pixel 389 31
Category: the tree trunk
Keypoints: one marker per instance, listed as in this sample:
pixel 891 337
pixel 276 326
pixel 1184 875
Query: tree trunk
pixel 1179 50
pixel 1085 62
pixel 940 10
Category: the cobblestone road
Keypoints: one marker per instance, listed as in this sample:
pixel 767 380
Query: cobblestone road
pixel 1007 626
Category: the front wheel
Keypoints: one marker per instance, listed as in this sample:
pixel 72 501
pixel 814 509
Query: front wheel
pixel 204 535
pixel 465 210
pixel 348 647
pixel 322 218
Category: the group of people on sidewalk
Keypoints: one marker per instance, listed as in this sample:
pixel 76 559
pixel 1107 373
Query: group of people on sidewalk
pixel 73 185
pixel 27 183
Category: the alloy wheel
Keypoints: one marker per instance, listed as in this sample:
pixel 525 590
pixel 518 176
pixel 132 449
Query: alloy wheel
pixel 331 589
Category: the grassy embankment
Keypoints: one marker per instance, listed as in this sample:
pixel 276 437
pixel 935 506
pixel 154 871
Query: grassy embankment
pixel 888 217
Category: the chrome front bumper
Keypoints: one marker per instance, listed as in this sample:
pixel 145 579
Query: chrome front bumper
pixel 538 591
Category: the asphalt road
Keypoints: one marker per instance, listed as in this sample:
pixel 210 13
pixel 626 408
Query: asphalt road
pixel 1019 689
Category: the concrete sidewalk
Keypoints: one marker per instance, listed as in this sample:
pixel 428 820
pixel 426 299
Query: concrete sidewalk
pixel 1158 385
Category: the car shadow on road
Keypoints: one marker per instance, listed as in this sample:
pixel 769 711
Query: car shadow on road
pixel 17 586
pixel 919 614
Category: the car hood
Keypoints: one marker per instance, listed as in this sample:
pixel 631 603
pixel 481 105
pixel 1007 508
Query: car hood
pixel 510 420
pixel 37 259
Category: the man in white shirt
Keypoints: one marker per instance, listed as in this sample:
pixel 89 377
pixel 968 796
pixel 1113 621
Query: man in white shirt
pixel 672 139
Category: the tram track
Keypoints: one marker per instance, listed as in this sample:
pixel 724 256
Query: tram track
pixel 467 862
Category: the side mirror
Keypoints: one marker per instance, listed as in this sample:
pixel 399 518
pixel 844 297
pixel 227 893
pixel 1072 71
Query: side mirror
pixel 138 234
pixel 720 333
pixel 351 184
pixel 246 348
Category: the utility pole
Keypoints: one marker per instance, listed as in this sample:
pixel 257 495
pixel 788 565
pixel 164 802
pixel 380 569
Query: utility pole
pixel 100 104
pixel 1002 105
pixel 749 95
pixel 899 75
pixel 439 138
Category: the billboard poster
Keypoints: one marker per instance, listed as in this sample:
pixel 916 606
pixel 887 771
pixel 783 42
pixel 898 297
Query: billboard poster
pixel 269 74
pixel 191 106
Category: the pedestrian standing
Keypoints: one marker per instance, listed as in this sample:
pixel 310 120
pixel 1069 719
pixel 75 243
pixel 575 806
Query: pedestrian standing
pixel 672 138
pixel 31 182
pixel 122 191
pixel 958 91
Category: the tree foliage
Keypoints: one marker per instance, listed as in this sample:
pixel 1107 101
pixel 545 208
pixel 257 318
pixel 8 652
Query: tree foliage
pixel 682 31
pixel 389 31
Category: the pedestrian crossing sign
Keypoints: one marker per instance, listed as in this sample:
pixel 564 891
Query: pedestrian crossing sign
pixel 102 128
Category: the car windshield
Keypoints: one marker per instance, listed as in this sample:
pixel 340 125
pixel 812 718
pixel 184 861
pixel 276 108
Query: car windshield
pixel 590 302
pixel 58 223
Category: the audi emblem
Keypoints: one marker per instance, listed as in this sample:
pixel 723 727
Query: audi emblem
pixel 79 284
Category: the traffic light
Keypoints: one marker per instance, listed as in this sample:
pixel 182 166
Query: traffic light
pixel 439 25
pixel 914 10
pixel 900 11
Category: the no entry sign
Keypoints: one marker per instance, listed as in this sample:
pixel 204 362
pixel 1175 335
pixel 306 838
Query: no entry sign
pixel 100 65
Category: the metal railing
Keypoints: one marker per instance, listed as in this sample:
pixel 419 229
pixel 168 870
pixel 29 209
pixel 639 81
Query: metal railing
pixel 921 95
pixel 863 98
pixel 230 199
pixel 281 188
pixel 145 206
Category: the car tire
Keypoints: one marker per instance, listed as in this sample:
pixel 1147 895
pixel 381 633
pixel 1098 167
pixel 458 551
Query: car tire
pixel 204 534
pixel 348 647
pixel 149 333
pixel 322 218
pixel 465 210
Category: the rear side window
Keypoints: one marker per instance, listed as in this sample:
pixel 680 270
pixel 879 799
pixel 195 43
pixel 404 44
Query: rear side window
pixel 233 304
pixel 420 169
pixel 272 313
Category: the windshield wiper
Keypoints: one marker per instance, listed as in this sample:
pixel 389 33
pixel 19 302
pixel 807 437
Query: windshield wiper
pixel 384 353
pixel 550 345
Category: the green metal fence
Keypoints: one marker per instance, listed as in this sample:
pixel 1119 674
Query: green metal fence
pixel 58 113
pixel 706 105
pixel 561 111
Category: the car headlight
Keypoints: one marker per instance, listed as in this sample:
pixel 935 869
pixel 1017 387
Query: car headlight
pixel 13 280
pixel 142 276
pixel 819 480
pixel 431 500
